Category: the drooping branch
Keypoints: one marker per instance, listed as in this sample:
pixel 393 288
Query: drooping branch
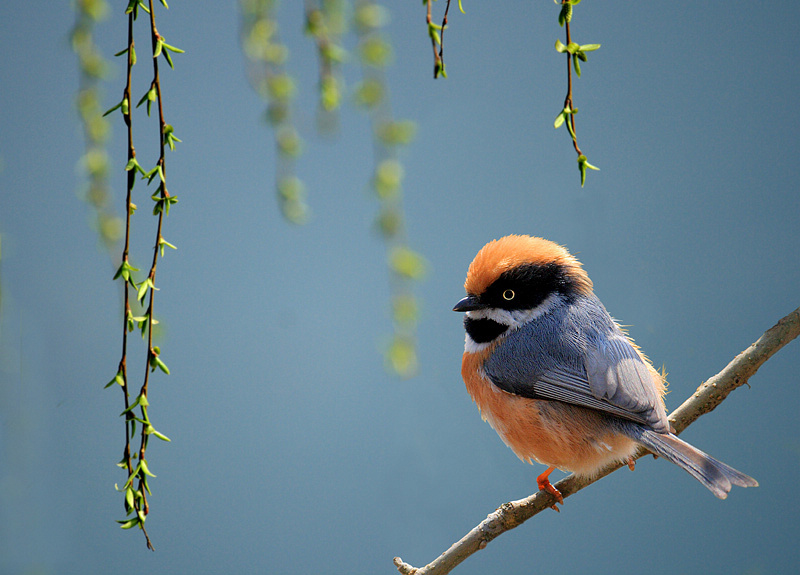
pixel 707 397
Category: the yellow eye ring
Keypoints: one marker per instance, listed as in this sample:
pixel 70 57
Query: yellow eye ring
pixel 508 295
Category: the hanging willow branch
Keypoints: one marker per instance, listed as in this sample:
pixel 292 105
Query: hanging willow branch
pixel 707 397
pixel 575 55
pixel 136 488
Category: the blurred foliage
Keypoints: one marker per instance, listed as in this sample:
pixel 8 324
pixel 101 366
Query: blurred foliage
pixel 327 24
pixel 94 163
pixel 267 56
pixel 406 267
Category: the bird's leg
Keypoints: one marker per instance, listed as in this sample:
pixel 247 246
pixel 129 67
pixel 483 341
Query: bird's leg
pixel 631 464
pixel 544 485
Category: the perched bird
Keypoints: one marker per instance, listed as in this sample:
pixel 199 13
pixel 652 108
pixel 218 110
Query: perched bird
pixel 556 377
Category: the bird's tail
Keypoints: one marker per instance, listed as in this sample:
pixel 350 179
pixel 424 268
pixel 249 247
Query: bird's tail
pixel 715 475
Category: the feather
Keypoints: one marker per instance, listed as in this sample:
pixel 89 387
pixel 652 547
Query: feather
pixel 715 475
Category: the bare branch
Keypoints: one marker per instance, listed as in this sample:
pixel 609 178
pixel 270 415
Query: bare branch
pixel 707 397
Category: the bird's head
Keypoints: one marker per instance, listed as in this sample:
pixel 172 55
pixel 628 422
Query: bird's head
pixel 516 279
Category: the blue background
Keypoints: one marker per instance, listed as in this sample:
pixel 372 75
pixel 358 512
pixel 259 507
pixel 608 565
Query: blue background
pixel 293 451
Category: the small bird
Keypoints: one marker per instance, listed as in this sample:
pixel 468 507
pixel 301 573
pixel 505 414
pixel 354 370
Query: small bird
pixel 555 375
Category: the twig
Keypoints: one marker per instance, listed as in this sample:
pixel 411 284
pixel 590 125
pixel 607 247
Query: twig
pixel 441 39
pixel 437 60
pixel 707 397
pixel 568 98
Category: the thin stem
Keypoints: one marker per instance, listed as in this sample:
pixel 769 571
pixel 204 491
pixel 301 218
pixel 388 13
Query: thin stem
pixel 437 65
pixel 126 250
pixel 441 43
pixel 568 99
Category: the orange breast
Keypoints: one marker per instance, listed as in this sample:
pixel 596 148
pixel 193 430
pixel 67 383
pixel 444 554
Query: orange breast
pixel 553 433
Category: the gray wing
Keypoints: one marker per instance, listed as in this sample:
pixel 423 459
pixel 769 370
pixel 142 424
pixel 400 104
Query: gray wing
pixel 618 374
pixel 595 367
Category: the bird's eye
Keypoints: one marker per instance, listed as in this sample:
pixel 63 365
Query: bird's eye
pixel 508 295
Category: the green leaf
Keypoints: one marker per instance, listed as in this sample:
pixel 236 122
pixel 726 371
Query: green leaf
pixel 397 133
pixel 151 97
pixel 370 15
pixel 145 469
pixel 173 49
pixel 161 365
pixel 164 243
pixel 118 379
pixel 169 137
pixel 570 129
pixel 161 436
pixel 142 292
pixel 143 99
pixel 401 356
pixel 583 165
pixel 150 430
pixel 434 34
pixel 159 46
pixel 144 322
pixel 369 93
pixel 565 15
pixel 129 523
pixel 407 263
pixel 375 51
pixel 388 178
pixel 107 112
pixel 134 164
pixel 168 58
pixel 589 47
pixel 559 120
pixel 460 7
pixel 131 406
pixel 150 175
pixel 129 497
pixel 124 271
pixel 121 52
pixel 577 66
pixel 560 48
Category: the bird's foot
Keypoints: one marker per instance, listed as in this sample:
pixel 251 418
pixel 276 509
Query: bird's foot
pixel 543 482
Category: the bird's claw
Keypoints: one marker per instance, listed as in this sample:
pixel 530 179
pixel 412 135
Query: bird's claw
pixel 544 485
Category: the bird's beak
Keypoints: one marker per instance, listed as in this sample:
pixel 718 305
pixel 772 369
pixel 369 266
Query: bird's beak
pixel 469 303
